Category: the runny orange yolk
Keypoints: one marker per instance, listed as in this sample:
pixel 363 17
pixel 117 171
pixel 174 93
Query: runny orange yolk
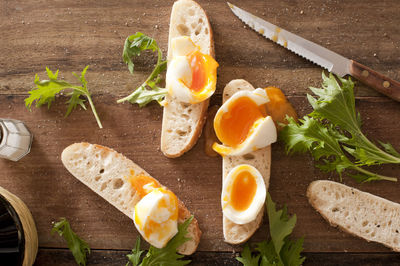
pixel 143 184
pixel 278 106
pixel 199 76
pixel 237 122
pixel 244 188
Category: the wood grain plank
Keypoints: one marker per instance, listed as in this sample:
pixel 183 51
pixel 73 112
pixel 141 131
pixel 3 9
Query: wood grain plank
pixel 70 35
pixel 51 192
pixel 63 257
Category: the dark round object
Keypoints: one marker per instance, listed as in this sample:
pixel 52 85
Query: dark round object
pixel 12 240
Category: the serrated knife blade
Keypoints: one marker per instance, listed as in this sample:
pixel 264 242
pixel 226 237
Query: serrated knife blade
pixel 318 54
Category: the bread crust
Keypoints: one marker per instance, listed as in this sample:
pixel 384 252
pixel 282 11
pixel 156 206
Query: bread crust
pixel 170 146
pixel 260 159
pixel 177 151
pixel 358 213
pixel 107 173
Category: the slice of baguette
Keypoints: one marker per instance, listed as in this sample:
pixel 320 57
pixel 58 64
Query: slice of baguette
pixel 106 172
pixel 358 213
pixel 183 122
pixel 260 159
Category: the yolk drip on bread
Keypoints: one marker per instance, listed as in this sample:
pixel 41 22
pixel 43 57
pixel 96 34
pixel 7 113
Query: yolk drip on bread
pixel 243 194
pixel 209 133
pixel 243 190
pixel 143 184
pixel 191 75
pixel 278 106
pixel 242 124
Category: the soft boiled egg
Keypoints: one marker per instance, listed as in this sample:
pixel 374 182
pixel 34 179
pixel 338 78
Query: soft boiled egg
pixel 242 124
pixel 191 75
pixel 156 214
pixel 243 194
pixel 156 217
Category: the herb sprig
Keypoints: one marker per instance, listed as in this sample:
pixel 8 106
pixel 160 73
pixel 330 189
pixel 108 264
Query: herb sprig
pixel 280 250
pixel 78 246
pixel 46 90
pixel 162 256
pixel 149 90
pixel 332 133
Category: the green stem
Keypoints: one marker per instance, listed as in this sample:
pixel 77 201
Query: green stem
pixel 127 98
pixel 381 177
pixel 85 92
pixel 160 64
pixel 152 76
pixel 373 148
pixel 94 111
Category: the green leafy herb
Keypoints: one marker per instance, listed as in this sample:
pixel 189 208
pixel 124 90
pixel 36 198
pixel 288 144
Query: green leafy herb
pixel 332 133
pixel 247 258
pixel 46 90
pixel 78 246
pixel 149 90
pixel 134 258
pixel 279 250
pixel 163 256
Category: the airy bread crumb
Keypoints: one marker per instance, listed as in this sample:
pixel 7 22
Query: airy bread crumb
pixel 359 213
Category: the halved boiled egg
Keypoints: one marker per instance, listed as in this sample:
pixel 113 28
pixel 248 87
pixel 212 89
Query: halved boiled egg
pixel 191 75
pixel 243 194
pixel 242 124
pixel 156 217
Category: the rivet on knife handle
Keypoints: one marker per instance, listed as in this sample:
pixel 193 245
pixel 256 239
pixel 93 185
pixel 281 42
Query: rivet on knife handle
pixel 376 80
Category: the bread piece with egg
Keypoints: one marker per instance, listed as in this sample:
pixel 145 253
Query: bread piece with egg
pixel 247 154
pixel 185 109
pixel 124 184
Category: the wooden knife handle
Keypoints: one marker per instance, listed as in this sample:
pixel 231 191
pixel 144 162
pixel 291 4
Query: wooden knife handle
pixel 375 80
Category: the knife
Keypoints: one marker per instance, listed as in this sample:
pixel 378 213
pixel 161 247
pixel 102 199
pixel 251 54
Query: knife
pixel 319 55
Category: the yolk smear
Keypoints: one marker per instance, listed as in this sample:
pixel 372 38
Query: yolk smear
pixel 171 205
pixel 199 76
pixel 162 228
pixel 278 106
pixel 139 181
pixel 237 122
pixel 137 220
pixel 244 188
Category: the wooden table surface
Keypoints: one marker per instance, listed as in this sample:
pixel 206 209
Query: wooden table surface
pixel 71 34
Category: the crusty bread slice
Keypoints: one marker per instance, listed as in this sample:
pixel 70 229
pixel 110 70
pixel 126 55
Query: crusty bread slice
pixel 106 172
pixel 260 159
pixel 183 122
pixel 358 213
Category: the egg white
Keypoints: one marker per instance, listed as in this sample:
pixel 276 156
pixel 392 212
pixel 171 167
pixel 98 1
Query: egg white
pixel 250 214
pixel 182 46
pixel 179 67
pixel 148 209
pixel 179 73
pixel 262 133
